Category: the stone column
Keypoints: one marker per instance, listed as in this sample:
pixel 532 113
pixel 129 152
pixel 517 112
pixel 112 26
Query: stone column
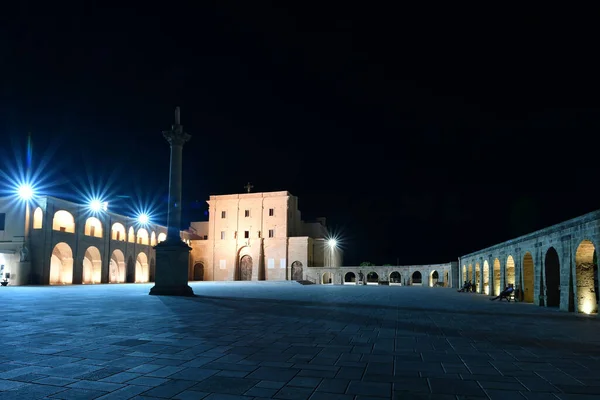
pixel 172 255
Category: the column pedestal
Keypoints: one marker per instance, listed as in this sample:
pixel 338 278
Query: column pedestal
pixel 171 275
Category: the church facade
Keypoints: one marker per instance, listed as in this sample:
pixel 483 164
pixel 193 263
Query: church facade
pixel 258 236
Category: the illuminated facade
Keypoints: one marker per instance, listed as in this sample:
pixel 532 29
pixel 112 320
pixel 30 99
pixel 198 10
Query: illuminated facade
pixel 69 244
pixel 258 236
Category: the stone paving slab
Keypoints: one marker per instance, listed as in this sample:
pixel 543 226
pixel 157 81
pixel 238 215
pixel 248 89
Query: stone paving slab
pixel 282 340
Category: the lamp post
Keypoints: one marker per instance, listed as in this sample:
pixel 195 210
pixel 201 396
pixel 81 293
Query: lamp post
pixel 332 245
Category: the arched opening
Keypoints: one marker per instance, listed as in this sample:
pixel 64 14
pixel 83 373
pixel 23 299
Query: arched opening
pixel 141 268
pixel 585 277
pixel 153 239
pixel 350 277
pixel 61 265
pixel 117 232
pixel 434 278
pixel 470 273
pixel 486 277
pixel 93 227
pixel 417 279
pixel 131 235
pixel 38 217
pixel 528 278
pixel 198 271
pixel 92 266
pixel 464 273
pixel 327 278
pixel 509 273
pixel 552 274
pixel 372 278
pixel 245 268
pixel 161 237
pixel 142 236
pixel 63 221
pixel 297 271
pixel 477 278
pixel 116 269
pixel 395 278
pixel 496 277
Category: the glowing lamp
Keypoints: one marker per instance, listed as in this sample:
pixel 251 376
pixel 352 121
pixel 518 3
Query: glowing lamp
pixel 96 205
pixel 332 243
pixel 587 307
pixel 25 192
pixel 143 219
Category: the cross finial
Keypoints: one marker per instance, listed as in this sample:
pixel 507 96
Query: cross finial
pixel 248 187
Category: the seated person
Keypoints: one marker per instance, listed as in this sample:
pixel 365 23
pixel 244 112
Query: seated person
pixel 465 287
pixel 505 294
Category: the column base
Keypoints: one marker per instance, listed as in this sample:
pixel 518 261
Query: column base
pixel 171 274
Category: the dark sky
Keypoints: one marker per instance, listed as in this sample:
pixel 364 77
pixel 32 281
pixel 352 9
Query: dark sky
pixel 421 134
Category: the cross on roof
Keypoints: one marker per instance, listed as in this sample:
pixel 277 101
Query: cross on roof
pixel 248 187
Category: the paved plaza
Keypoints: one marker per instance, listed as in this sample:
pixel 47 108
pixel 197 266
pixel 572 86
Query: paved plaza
pixel 283 340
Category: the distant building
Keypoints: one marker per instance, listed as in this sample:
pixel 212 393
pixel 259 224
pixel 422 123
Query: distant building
pixel 253 236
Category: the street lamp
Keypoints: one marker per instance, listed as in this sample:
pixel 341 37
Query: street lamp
pixel 143 219
pixel 25 192
pixel 332 245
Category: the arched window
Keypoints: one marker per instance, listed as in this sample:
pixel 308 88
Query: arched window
pixel 63 221
pixel 153 239
pixel 131 238
pixel 162 237
pixel 142 236
pixel 93 227
pixel 118 232
pixel 38 216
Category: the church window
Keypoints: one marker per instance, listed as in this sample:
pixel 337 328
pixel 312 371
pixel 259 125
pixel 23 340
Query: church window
pixel 247 213
pixel 271 212
pixel 222 235
pixel 271 233
pixel 246 234
pixel 223 214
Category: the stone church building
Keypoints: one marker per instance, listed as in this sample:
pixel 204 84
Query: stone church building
pixel 258 236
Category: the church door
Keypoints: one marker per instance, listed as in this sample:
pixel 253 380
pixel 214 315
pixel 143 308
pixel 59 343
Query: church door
pixel 246 268
pixel 296 271
pixel 198 272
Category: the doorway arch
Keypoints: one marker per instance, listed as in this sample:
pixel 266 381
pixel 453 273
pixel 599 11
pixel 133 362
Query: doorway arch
pixel 245 268
pixel 417 278
pixel 434 278
pixel 552 274
pixel 198 271
pixel 61 265
pixel 327 278
pixel 141 268
pixel 586 276
pixel 528 278
pixel 372 278
pixel 496 277
pixel 297 271
pixel 486 277
pixel 92 266
pixel 395 277
pixel 116 268
pixel 509 274
pixel 350 277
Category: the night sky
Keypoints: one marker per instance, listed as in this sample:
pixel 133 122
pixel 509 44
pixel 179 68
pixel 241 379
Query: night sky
pixel 421 135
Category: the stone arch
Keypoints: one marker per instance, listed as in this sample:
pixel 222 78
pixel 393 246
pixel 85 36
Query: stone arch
pixel 552 275
pixel 470 273
pixel 63 221
pixel 585 277
pixel 327 278
pixel 141 267
pixel 528 278
pixel 198 271
pixel 486 277
pixel 297 271
pixel 245 268
pixel 434 278
pixel 417 278
pixel 496 277
pixel 92 266
pixel 350 277
pixel 117 267
pixel 161 237
pixel 93 227
pixel 131 235
pixel 477 278
pixel 61 265
pixel 142 237
pixel 464 273
pixel 372 277
pixel 153 238
pixel 117 232
pixel 509 271
pixel 38 218
pixel 395 277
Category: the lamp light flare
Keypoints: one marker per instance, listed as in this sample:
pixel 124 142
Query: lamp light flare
pixel 96 205
pixel 143 219
pixel 332 243
pixel 25 192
